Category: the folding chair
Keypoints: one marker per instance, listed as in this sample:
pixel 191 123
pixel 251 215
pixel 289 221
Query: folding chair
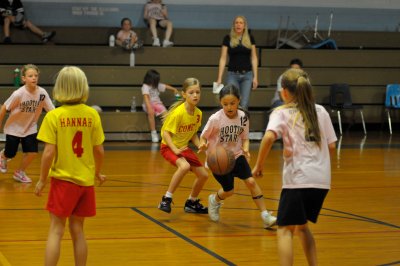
pixel 340 100
pixel 392 101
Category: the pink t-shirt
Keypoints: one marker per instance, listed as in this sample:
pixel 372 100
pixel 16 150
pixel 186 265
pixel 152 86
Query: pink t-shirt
pixel 154 93
pixel 228 132
pixel 25 108
pixel 154 10
pixel 305 164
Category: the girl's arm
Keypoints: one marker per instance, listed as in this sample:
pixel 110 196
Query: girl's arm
pixel 146 99
pixel 203 145
pixel 254 66
pixel 164 11
pixel 3 112
pixel 146 13
pixel 98 154
pixel 168 139
pixel 168 87
pixel 222 63
pixel 263 152
pixel 245 148
pixel 49 153
pixel 195 140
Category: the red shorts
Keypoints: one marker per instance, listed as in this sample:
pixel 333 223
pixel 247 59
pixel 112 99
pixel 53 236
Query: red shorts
pixel 188 154
pixel 66 199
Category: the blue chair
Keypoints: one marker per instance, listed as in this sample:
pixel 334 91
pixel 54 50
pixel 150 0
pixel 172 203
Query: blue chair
pixel 392 101
pixel 340 100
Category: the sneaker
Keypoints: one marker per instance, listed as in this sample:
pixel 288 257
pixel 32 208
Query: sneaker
pixel 47 36
pixel 165 204
pixel 20 176
pixel 195 207
pixel 268 219
pixel 154 137
pixel 3 162
pixel 156 42
pixel 213 208
pixel 7 40
pixel 167 43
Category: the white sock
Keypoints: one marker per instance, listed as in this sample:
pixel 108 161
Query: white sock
pixel 192 198
pixel 266 212
pixel 154 131
pixel 168 194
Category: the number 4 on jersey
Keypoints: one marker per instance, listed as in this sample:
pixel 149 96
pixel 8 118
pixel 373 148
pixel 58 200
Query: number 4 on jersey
pixel 77 144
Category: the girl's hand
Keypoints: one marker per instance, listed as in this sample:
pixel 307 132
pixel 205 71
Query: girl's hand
pixel 257 171
pixel 39 188
pixel 178 151
pixel 202 147
pixel 100 178
pixel 247 155
pixel 254 84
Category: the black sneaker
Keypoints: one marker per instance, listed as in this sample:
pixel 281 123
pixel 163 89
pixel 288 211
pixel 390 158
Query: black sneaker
pixel 7 40
pixel 47 36
pixel 195 207
pixel 165 204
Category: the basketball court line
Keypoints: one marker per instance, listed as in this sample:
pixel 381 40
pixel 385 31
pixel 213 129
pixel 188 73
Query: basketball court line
pixel 3 260
pixel 390 263
pixel 183 237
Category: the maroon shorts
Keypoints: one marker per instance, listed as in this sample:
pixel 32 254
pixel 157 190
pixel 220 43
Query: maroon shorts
pixel 188 154
pixel 66 199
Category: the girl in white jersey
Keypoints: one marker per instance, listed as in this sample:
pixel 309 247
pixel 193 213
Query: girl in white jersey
pixel 25 106
pixel 230 127
pixel 308 136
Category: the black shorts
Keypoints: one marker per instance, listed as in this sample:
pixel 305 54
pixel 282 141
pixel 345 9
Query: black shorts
pixel 241 170
pixel 29 144
pixel 158 25
pixel 297 206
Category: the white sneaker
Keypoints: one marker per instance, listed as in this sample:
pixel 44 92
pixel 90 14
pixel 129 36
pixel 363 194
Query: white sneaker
pixel 156 42
pixel 268 219
pixel 213 208
pixel 20 176
pixel 3 162
pixel 154 137
pixel 167 43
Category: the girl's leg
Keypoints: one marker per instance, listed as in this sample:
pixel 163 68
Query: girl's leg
pixel 27 158
pixel 246 82
pixel 201 178
pixel 33 28
pixel 168 25
pixel 53 246
pixel 78 239
pixel 222 195
pixel 285 244
pixel 151 119
pixel 183 169
pixel 6 27
pixel 153 28
pixel 308 243
pixel 256 193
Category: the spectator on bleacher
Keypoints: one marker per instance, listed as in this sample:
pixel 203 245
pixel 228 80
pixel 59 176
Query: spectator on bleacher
pixel 277 99
pixel 152 103
pixel 13 13
pixel 243 63
pixel 156 15
pixel 126 37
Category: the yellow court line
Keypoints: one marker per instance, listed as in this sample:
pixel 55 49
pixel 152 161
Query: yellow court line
pixel 3 260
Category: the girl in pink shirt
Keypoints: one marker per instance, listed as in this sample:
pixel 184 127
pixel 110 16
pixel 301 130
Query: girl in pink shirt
pixel 25 106
pixel 308 136
pixel 229 127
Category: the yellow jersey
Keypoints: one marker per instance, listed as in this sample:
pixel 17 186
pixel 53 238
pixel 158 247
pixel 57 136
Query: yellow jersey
pixel 182 125
pixel 74 129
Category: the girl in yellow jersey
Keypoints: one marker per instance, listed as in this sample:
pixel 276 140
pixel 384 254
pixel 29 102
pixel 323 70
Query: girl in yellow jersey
pixel 72 157
pixel 181 124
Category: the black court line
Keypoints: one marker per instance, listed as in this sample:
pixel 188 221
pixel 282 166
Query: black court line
pixel 390 263
pixel 183 237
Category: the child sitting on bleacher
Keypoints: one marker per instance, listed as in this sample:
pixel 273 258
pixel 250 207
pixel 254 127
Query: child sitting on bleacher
pixel 152 103
pixel 126 37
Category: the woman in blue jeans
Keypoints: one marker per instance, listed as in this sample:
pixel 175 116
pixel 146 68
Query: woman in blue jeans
pixel 243 61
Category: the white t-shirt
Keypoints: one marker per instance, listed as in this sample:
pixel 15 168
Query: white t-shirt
pixel 154 93
pixel 154 10
pixel 231 133
pixel 25 108
pixel 305 164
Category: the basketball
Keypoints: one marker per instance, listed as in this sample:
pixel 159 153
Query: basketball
pixel 220 160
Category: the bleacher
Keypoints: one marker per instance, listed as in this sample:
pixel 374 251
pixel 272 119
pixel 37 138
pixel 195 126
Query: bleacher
pixel 196 54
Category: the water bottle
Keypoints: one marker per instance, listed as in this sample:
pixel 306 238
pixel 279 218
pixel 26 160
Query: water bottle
pixel 111 41
pixel 17 78
pixel 133 104
pixel 132 59
pixel 178 96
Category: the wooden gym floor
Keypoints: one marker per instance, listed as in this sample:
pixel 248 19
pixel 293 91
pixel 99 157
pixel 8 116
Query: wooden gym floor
pixel 359 224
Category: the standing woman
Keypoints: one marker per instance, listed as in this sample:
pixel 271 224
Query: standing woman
pixel 243 61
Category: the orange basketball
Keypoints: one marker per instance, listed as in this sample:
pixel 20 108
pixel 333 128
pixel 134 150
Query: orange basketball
pixel 220 160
